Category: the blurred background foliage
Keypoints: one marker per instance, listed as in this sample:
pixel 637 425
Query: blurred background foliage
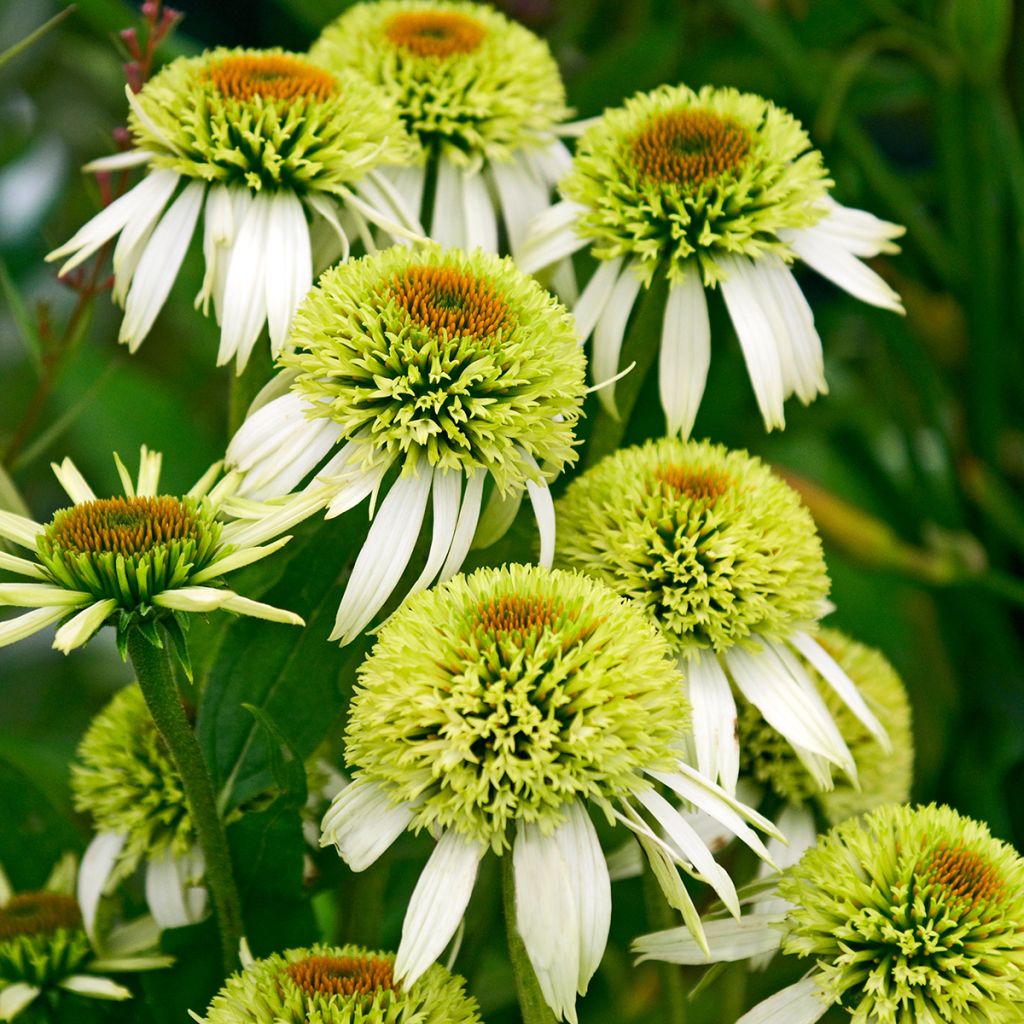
pixel 913 465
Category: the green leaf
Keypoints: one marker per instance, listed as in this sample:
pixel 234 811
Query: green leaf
pixel 285 764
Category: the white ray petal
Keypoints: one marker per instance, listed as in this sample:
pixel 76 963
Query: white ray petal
pixel 609 334
pixel 714 719
pixel 448 225
pixel 21 566
pixel 478 213
pixel 118 161
pixel 469 516
pixel 288 513
pixel 98 861
pixel 381 191
pixel 208 599
pixel 551 236
pixel 173 897
pixel 551 162
pixel 237 560
pixel 20 529
pixel 384 556
pixel 861 232
pixel 521 194
pixel 409 183
pixel 23 626
pixel 547 917
pixel 94 987
pixel 80 628
pixel 756 338
pixel 362 822
pixel 288 265
pixel 261 432
pixel 544 512
pixel 447 491
pixel 351 493
pixel 590 305
pixel 132 244
pixel 685 353
pixel 69 477
pixel 218 233
pixel 672 887
pixel 16 997
pixel 326 209
pixel 497 517
pixel 437 905
pixel 309 444
pixel 800 1003
pixel 148 482
pixel 380 217
pixel 245 309
pixel 728 941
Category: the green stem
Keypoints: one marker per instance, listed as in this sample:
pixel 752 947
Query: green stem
pixel 734 993
pixel 532 1005
pixel 156 680
pixel 660 918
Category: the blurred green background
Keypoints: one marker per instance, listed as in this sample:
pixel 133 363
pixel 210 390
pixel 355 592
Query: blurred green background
pixel 915 104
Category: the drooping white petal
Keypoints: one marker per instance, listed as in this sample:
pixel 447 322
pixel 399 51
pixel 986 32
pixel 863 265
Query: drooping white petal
pixel 672 887
pixel 173 897
pixel 218 234
pixel 728 941
pixel 447 490
pixel 755 336
pixel 237 560
pixel 609 334
pixel 257 610
pixel 863 233
pixel 132 242
pixel 384 556
pixel 260 433
pixel 408 182
pixel 279 474
pixel 98 862
pixel 547 917
pixel 448 225
pixel 325 208
pixel 118 161
pixel 685 353
pixel 208 599
pixel 590 305
pixel 382 193
pixel 437 904
pixel 40 595
pixel 20 529
pixel 245 308
pixel 551 236
pixel 159 265
pixel 800 1003
pixel 382 217
pixel 94 987
pixel 521 194
pixel 481 223
pixel 288 264
pixel 358 487
pixel 21 566
pixel 469 516
pixel 833 674
pixel 69 477
pixel 714 718
pixel 6 889
pixel 79 629
pixel 16 997
pixel 23 626
pixel 543 510
pixel 362 823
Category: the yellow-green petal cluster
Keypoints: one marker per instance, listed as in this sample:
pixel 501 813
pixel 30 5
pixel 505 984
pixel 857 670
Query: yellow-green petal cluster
pixel 441 358
pixel 338 985
pixel 912 914
pixel 266 119
pixel 501 696
pixel 708 541
pixel 884 776
pixel 464 78
pixel 124 779
pixel 674 176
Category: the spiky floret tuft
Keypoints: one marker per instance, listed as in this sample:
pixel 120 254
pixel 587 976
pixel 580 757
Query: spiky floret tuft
pixel 266 119
pixel 675 175
pixel 442 358
pixel 501 696
pixel 464 77
pixel 709 541
pixel 911 914
pixel 884 776
pixel 338 985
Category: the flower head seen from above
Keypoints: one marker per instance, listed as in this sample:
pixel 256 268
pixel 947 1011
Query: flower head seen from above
pixel 50 946
pixel 480 95
pixel 723 555
pixel 492 712
pixel 338 985
pixel 138 559
pixel 124 779
pixel 714 188
pixel 910 913
pixel 267 145
pixel 434 369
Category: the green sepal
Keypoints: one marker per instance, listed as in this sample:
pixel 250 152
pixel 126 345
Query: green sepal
pixel 176 625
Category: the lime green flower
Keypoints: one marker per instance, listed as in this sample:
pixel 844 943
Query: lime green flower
pixel 493 710
pixel 480 95
pixel 435 369
pixel 710 188
pixel 268 140
pixel 338 985
pixel 723 555
pixel 139 559
pixel 50 946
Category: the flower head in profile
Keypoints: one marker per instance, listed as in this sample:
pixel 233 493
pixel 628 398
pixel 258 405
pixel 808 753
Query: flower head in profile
pixel 493 712
pixel 714 188
pixel 338 985
pixel 124 779
pixel 136 559
pixel 50 946
pixel 723 555
pixel 480 95
pixel 436 372
pixel 267 146
pixel 910 913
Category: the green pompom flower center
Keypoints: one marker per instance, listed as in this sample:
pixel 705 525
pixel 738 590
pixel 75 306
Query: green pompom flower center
pixel 444 300
pixel 689 147
pixel 270 77
pixel 342 975
pixel 434 33
pixel 38 913
pixel 124 526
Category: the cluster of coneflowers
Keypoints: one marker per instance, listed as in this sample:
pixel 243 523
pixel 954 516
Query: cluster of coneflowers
pixel 657 663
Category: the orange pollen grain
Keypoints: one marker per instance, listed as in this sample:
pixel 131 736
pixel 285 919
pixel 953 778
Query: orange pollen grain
pixel 963 875
pixel 434 33
pixel 271 77
pixel 124 526
pixel 341 975
pixel 38 913
pixel 697 484
pixel 689 147
pixel 445 299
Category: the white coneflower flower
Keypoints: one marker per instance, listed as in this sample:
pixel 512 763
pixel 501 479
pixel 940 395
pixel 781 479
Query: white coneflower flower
pixel 438 373
pixel 480 95
pixel 135 560
pixel 493 712
pixel 709 189
pixel 267 142
pixel 51 945
pixel 727 560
